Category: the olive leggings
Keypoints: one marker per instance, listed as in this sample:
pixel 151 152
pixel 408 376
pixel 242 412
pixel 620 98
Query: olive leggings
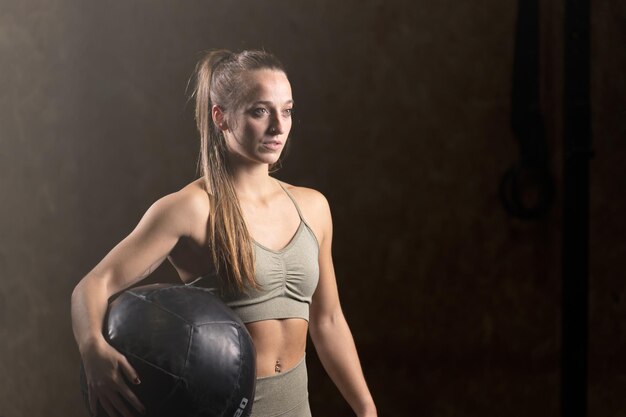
pixel 284 394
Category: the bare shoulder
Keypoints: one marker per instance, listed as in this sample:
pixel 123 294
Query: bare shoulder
pixel 194 195
pixel 315 209
pixel 184 209
pixel 310 200
pixel 193 202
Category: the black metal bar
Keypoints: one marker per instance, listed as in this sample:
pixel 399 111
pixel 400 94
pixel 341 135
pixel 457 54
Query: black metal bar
pixel 575 262
pixel 531 175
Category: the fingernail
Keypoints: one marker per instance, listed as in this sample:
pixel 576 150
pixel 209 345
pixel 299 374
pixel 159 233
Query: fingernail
pixel 136 381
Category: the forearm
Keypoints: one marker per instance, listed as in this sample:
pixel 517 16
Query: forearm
pixel 336 349
pixel 88 308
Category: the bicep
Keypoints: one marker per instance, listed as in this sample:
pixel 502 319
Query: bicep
pixel 146 247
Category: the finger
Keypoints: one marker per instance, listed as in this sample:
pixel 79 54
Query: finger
pixel 93 402
pixel 120 406
pixel 128 370
pixel 108 408
pixel 130 396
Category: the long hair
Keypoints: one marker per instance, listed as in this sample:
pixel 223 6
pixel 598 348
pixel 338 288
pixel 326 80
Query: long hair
pixel 219 82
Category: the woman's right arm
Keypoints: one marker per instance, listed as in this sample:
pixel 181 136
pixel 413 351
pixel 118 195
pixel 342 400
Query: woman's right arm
pixel 133 259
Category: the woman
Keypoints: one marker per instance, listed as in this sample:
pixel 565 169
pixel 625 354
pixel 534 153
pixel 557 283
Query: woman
pixel 233 230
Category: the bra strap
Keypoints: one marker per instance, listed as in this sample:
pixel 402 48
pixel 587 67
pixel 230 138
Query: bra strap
pixel 293 200
pixel 299 212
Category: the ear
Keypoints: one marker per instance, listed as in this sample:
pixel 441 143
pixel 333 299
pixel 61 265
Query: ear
pixel 219 117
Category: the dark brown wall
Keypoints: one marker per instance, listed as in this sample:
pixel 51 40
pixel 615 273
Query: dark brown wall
pixel 402 121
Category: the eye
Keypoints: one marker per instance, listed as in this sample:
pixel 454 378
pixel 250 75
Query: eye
pixel 288 112
pixel 259 111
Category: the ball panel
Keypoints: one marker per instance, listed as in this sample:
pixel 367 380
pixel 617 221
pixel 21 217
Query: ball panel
pixel 222 369
pixel 142 328
pixel 205 308
pixel 214 363
pixel 243 392
pixel 157 388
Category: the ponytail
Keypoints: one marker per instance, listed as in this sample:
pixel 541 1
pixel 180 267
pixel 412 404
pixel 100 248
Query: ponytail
pixel 218 81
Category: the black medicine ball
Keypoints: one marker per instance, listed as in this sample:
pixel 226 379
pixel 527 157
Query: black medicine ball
pixel 193 355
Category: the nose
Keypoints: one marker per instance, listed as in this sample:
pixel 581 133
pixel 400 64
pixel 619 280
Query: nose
pixel 276 125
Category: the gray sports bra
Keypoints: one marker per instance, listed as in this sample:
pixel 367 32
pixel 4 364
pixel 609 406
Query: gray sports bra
pixel 287 279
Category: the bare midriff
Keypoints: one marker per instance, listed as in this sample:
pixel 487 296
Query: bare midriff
pixel 280 344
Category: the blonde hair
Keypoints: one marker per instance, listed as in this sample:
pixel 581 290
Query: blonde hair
pixel 219 82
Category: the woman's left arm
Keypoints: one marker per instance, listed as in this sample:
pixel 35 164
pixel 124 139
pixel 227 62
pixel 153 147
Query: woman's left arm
pixel 329 330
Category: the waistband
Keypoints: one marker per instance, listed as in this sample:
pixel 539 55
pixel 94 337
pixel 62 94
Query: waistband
pixel 284 394
pixel 284 374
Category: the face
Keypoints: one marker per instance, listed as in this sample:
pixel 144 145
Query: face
pixel 258 130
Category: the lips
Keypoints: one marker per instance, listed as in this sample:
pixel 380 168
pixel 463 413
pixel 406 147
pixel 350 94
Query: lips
pixel 273 145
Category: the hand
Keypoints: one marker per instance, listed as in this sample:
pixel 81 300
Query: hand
pixel 104 370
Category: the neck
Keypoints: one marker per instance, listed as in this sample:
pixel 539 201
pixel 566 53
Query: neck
pixel 251 181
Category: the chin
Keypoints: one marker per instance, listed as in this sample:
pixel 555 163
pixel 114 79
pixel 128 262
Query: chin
pixel 270 161
pixel 269 158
